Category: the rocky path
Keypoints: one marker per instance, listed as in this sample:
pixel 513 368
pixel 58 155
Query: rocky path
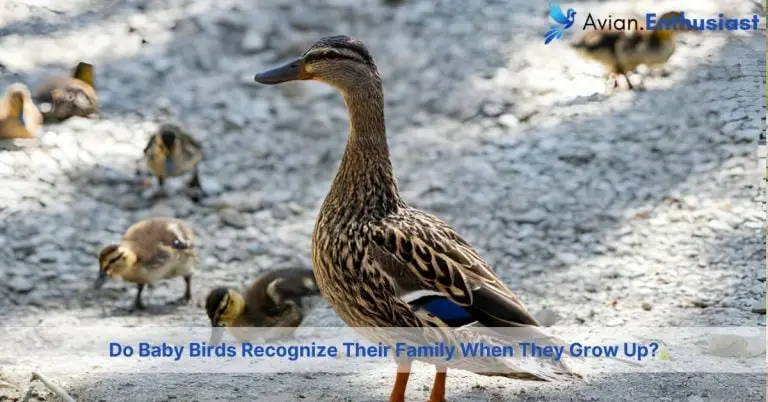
pixel 642 208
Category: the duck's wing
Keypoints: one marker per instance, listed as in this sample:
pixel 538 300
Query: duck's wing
pixel 159 240
pixel 430 250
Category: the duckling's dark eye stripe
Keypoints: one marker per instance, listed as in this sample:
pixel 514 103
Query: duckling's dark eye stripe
pixel 114 260
pixel 222 307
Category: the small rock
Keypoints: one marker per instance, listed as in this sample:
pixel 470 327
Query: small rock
pixel 532 217
pixel 647 306
pixel 235 120
pixel 568 258
pixel 21 285
pixel 233 218
pixel 258 248
pixel 758 307
pixel 253 41
pixel 509 120
pixel 162 211
pixel 548 317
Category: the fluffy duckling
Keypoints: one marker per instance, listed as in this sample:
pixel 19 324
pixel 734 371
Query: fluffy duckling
pixel 279 299
pixel 63 97
pixel 171 152
pixel 19 117
pixel 621 52
pixel 149 251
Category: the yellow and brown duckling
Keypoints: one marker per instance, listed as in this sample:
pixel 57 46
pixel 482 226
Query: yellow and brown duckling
pixel 381 263
pixel 621 52
pixel 280 299
pixel 172 152
pixel 19 117
pixel 151 250
pixel 60 98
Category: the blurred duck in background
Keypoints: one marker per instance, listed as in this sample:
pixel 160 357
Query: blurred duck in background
pixel 172 152
pixel 621 52
pixel 280 299
pixel 19 117
pixel 60 98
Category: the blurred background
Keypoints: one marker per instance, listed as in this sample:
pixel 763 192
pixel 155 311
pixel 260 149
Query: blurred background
pixel 632 208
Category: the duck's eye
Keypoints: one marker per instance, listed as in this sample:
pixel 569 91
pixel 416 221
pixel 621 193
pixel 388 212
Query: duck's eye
pixel 178 244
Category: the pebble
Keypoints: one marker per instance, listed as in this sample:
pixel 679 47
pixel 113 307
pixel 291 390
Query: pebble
pixel 233 218
pixel 647 306
pixel 21 285
pixel 253 41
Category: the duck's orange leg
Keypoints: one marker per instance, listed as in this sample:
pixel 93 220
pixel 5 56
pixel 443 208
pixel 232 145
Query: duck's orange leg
pixel 438 388
pixel 401 381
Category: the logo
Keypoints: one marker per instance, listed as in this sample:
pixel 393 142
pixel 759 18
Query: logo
pixel 563 22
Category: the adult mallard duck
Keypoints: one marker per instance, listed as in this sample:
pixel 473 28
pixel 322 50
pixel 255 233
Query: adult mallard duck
pixel 60 98
pixel 621 52
pixel 19 117
pixel 150 250
pixel 278 299
pixel 379 262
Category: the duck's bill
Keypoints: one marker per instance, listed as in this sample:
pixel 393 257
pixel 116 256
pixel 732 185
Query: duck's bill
pixel 170 167
pixel 217 333
pixel 100 281
pixel 290 71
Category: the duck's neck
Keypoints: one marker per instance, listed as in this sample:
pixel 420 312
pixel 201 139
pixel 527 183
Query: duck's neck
pixel 365 180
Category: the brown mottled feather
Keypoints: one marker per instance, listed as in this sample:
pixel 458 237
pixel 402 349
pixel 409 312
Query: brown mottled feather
pixel 152 237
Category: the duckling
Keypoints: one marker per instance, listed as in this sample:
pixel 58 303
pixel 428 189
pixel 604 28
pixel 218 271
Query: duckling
pixel 63 97
pixel 171 152
pixel 19 117
pixel 621 52
pixel 150 250
pixel 279 299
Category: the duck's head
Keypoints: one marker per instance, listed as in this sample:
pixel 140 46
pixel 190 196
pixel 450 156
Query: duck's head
pixel 340 61
pixel 114 261
pixel 222 305
pixel 84 72
pixel 15 96
pixel 671 23
pixel 166 145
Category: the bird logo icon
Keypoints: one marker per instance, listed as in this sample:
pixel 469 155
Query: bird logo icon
pixel 563 22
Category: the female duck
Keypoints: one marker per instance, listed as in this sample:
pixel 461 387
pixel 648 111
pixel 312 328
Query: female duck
pixel 150 250
pixel 621 52
pixel 19 117
pixel 379 262
pixel 279 299
pixel 63 97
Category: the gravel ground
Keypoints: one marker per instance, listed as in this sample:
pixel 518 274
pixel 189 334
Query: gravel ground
pixel 643 208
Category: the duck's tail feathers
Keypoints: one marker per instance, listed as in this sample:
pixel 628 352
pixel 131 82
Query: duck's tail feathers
pixel 296 282
pixel 525 367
